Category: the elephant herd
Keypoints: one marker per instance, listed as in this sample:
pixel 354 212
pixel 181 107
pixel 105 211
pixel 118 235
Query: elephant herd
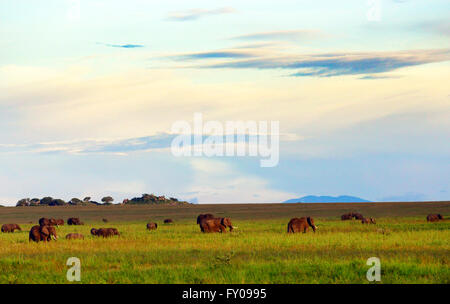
pixel 46 230
pixel 357 216
pixel 209 223
pixel 434 217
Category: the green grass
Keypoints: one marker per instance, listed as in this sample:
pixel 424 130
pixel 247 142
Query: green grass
pixel 260 251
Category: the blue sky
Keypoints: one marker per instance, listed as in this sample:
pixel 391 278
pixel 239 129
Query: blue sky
pixel 90 89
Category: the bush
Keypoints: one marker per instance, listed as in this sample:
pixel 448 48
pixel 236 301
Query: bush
pixel 75 201
pixel 46 200
pixel 57 202
pixel 153 199
pixel 23 202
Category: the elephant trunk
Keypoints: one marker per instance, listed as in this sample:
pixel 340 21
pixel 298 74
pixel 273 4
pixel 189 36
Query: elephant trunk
pixel 311 223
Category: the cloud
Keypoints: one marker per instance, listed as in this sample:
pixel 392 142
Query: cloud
pixel 89 146
pixel 215 55
pixel 282 35
pixel 217 181
pixel 161 141
pixel 323 65
pixel 123 46
pixel 373 77
pixel 195 14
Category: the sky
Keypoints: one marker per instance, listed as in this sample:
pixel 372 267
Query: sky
pixel 89 91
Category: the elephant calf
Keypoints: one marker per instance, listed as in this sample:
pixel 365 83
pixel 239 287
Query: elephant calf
pixel 434 217
pixel 301 224
pixel 152 226
pixel 347 216
pixel 74 236
pixel 219 224
pixel 369 220
pixel 42 233
pixel 60 222
pixel 358 216
pixel 74 221
pixel 10 227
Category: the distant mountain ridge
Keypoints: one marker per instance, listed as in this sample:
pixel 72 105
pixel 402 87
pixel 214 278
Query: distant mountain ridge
pixel 327 199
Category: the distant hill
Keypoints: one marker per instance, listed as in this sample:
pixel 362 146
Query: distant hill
pixel 327 199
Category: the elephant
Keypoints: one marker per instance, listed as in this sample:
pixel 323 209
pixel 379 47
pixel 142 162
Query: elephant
pixel 74 221
pixel 47 222
pixel 104 220
pixel 114 230
pixel 434 217
pixel 204 216
pixel 301 225
pixel 152 226
pixel 369 220
pixel 74 236
pixel 168 221
pixel 105 232
pixel 10 227
pixel 218 224
pixel 347 216
pixel 60 222
pixel 42 233
pixel 358 216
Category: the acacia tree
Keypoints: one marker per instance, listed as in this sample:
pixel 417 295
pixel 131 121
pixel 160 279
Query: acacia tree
pixel 75 201
pixel 107 200
pixel 23 202
pixel 46 200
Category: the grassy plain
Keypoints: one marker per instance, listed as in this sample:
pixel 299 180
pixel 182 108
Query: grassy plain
pixel 259 251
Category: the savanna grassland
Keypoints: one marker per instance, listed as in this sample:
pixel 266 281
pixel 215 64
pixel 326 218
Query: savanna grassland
pixel 259 251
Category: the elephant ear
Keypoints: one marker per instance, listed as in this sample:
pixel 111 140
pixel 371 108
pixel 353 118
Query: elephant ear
pixel 226 222
pixel 310 223
pixel 44 230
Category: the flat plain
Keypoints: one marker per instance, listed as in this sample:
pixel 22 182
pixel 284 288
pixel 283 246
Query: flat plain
pixel 410 249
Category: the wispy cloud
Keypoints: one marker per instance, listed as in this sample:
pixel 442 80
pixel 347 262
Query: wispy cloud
pixel 124 46
pixel 289 35
pixel 195 14
pixel 322 65
pixel 161 141
pixel 215 55
pixel 89 146
pixel 372 77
